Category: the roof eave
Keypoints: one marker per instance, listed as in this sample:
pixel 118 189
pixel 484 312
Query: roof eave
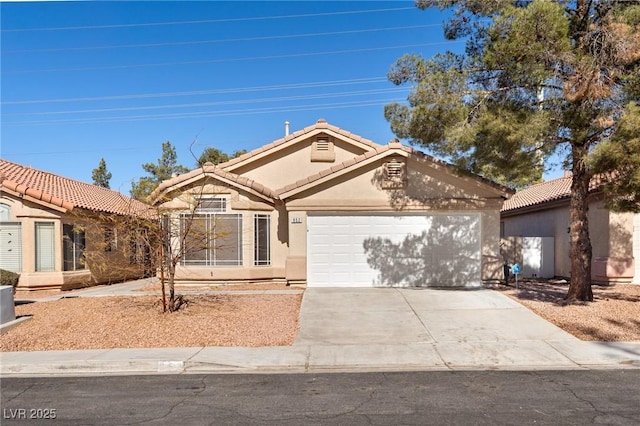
pixel 326 176
pixel 165 189
pixel 37 197
pixel 294 138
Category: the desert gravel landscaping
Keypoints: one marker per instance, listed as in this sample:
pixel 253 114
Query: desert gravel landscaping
pixel 233 319
pixel 138 322
pixel 613 316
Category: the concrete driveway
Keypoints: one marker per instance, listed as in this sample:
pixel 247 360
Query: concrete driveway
pixel 365 316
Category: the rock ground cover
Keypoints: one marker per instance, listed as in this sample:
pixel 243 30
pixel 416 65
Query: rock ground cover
pixel 255 320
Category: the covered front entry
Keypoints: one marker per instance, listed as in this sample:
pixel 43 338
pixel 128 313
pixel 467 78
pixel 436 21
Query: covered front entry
pixel 413 250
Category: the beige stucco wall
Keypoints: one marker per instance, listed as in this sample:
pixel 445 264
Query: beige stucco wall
pixel 611 238
pixel 293 163
pixel 28 214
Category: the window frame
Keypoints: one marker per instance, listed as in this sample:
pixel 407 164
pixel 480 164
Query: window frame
pixel 207 205
pixel 261 246
pixel 45 241
pixel 74 244
pixel 212 256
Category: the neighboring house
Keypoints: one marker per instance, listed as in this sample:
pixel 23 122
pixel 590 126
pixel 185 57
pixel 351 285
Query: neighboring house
pixel 542 210
pixel 60 233
pixel 325 207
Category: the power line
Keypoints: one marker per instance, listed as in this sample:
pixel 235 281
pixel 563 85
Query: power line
pixel 206 21
pixel 230 40
pixel 254 58
pixel 207 114
pixel 328 83
pixel 218 103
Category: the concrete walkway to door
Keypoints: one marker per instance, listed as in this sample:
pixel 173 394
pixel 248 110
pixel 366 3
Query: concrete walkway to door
pixel 441 328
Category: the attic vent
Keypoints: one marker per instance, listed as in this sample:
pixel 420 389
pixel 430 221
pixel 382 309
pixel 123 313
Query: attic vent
pixel 394 170
pixel 322 144
pixel 394 174
pixel 322 150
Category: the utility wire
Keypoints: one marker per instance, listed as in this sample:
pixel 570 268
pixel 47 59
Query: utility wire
pixel 229 40
pixel 253 58
pixel 206 114
pixel 206 21
pixel 218 103
pixel 317 84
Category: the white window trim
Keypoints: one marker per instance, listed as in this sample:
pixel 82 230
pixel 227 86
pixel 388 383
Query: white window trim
pixel 257 243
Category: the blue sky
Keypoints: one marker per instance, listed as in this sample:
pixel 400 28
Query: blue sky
pixel 83 81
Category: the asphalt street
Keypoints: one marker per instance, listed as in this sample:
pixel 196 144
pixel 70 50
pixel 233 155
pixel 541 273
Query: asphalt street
pixel 575 397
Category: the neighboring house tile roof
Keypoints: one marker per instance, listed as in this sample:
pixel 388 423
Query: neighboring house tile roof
pixel 321 124
pixel 212 170
pixel 64 192
pixel 545 192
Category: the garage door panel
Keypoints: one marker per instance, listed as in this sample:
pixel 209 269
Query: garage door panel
pixel 379 250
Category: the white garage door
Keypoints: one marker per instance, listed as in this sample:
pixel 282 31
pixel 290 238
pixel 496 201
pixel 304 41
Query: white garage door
pixel 437 250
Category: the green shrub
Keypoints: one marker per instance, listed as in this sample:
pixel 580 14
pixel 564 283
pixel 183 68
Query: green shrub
pixel 9 278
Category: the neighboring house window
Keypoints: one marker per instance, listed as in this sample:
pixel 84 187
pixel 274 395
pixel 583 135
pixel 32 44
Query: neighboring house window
pixel 45 247
pixel 211 239
pixel 137 246
pixel 394 174
pixel 322 150
pixel 501 229
pixel 10 241
pixel 73 243
pixel 262 240
pixel 110 239
pixel 5 212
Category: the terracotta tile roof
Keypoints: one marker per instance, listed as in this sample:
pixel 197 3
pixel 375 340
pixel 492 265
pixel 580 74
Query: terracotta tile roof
pixel 545 192
pixel 380 149
pixel 321 124
pixel 212 170
pixel 64 192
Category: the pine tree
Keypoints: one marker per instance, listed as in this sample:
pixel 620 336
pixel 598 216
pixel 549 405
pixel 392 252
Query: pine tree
pixel 164 169
pixel 216 156
pixel 537 77
pixel 100 175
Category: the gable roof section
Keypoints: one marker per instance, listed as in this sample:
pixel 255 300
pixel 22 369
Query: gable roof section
pixel 64 194
pixel 381 151
pixel 210 170
pixel 544 193
pixel 321 126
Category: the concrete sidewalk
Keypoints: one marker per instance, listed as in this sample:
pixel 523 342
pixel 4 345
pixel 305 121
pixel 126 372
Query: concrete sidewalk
pixel 366 330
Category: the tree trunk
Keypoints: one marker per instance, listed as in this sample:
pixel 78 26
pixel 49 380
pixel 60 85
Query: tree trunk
pixel 581 253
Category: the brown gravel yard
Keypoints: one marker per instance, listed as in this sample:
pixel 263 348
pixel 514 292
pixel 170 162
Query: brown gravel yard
pixel 138 322
pixel 270 319
pixel 614 315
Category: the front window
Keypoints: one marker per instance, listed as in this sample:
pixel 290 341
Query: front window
pixel 45 247
pixel 211 239
pixel 262 240
pixel 73 243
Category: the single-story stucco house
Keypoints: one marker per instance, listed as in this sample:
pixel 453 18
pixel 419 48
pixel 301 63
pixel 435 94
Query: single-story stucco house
pixel 324 207
pixel 542 210
pixel 60 233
